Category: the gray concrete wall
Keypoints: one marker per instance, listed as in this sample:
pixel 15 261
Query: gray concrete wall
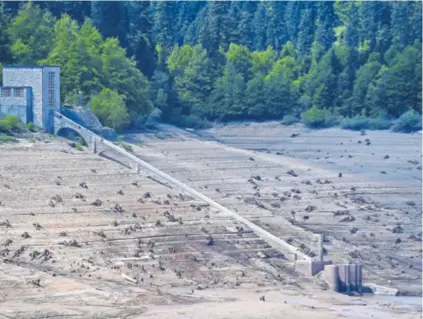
pixel 50 105
pixel 31 77
pixel 21 106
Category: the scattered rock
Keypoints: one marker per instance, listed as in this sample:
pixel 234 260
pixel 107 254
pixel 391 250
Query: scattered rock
pixel 347 219
pixel 340 175
pixel 354 230
pixel 6 224
pixel 117 209
pixel 37 226
pixel 310 208
pixel 79 196
pixel 210 240
pixel 292 173
pixel 120 192
pixel 398 230
pixel 97 203
pixel 386 157
pixel 25 235
pixel 354 254
pixel 295 134
pixel 83 185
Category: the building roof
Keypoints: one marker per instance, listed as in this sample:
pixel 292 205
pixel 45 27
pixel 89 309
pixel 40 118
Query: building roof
pixel 29 66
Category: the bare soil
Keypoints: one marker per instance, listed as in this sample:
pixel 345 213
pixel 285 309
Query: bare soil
pixel 85 237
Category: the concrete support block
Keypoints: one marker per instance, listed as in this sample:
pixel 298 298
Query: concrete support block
pixel 331 277
pixel 94 145
pixel 137 168
pixel 344 278
pixel 310 268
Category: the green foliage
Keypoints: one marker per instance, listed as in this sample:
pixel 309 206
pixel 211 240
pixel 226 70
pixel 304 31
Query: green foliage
pixel 31 33
pixel 189 121
pixel 226 60
pixel 358 123
pixel 289 120
pixel 9 124
pixel 319 118
pixel 109 107
pixel 79 147
pixel 148 121
pixel 8 139
pixel 408 122
pixel 127 147
pixel 31 127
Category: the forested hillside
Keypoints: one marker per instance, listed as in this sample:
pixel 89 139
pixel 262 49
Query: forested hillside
pixel 224 60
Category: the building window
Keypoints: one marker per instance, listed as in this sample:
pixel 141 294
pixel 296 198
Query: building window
pixel 6 92
pixel 51 76
pixel 18 92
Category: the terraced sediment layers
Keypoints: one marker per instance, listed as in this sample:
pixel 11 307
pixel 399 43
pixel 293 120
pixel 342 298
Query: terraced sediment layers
pixel 85 237
pixel 367 216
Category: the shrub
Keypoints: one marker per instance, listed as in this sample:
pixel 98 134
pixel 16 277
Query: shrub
pixel 9 123
pixel 79 147
pixel 318 118
pixel 289 120
pixel 7 139
pixel 148 121
pixel 409 121
pixel 358 123
pixel 81 140
pixel 31 127
pixel 189 121
pixel 109 107
pixel 127 147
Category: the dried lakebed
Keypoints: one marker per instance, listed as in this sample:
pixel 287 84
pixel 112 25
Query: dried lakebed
pixel 365 197
pixel 85 237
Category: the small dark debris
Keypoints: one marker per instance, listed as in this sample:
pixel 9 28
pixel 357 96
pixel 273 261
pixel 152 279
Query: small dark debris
pixel 292 173
pixel 37 226
pixel 25 235
pixel 347 219
pixel 354 230
pixel 97 203
pixel 310 208
pixel 117 209
pixel 398 230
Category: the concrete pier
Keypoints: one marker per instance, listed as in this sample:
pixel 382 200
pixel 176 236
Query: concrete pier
pixel 344 278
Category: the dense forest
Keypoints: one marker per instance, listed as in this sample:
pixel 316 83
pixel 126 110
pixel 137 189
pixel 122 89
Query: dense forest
pixel 199 61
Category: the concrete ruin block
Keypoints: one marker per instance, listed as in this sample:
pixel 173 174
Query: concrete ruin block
pixel 331 277
pixel 344 278
pixel 310 268
pixel 381 290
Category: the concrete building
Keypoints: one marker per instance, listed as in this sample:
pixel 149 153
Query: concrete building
pixel 32 93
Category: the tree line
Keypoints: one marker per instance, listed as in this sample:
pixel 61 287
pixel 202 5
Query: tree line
pixel 223 60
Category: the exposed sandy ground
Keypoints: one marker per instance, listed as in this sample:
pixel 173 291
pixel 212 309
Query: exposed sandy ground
pixel 368 216
pixel 62 256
